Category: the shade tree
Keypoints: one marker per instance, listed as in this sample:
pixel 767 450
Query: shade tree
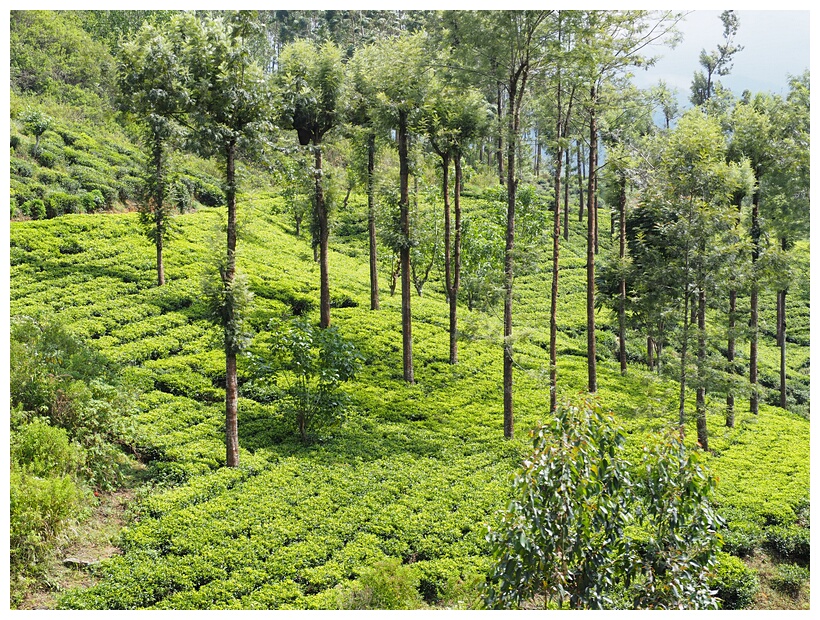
pixel 231 110
pixel 154 88
pixel 452 117
pixel 311 78
pixel 400 72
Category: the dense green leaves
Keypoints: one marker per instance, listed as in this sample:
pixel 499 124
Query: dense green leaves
pixel 305 367
pixel 582 530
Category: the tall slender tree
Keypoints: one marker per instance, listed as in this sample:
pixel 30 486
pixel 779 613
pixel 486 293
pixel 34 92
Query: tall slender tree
pixel 154 88
pixel 311 78
pixel 231 105
pixel 611 41
pixel 717 62
pixel 361 113
pixel 752 139
pixel 401 75
pixel 452 117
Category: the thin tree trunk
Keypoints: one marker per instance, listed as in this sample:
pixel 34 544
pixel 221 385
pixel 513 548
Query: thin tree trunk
pixel 683 351
pixel 730 357
pixel 781 334
pixel 556 249
pixel 753 327
pixel 509 271
pixel 593 173
pixel 321 212
pixel 580 182
pixel 159 201
pixel 622 255
pixel 231 386
pixel 700 406
pixel 371 223
pixel 566 195
pixel 454 283
pixel 650 346
pixel 500 144
pixel 404 253
pixel 537 153
pixel 556 240
pixel 592 379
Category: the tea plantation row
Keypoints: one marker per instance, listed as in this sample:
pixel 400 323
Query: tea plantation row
pixel 414 473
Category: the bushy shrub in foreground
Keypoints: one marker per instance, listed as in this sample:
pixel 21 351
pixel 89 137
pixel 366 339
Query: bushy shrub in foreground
pixel 564 536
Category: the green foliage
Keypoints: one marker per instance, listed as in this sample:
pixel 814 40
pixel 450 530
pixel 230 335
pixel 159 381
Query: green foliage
pixel 57 380
pixel 36 123
pixel 789 578
pixel 563 535
pixel 789 541
pixel 311 78
pixel 305 366
pixel 735 584
pixel 682 542
pixel 42 450
pixel 413 475
pixel 39 510
pixel 386 585
pixel 50 53
pixel 228 304
pixel 742 538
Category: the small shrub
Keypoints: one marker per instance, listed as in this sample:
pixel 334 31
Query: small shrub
pixel 385 585
pixel 306 366
pixel 736 583
pixel 789 541
pixel 35 209
pixel 777 513
pixel 742 538
pixel 789 578
pixel 208 194
pixel 21 168
pixel 38 512
pixel 44 157
pixel 43 450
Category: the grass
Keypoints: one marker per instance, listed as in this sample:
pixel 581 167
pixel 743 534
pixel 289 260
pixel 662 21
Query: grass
pixel 414 473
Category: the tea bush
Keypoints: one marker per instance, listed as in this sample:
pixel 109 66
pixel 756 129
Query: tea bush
pixel 789 578
pixel 789 541
pixel 414 472
pixel 735 583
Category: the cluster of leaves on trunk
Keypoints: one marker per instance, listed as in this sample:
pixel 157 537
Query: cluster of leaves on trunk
pixel 303 368
pixel 583 532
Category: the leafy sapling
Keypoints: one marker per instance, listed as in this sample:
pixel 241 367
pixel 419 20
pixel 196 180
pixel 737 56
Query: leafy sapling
pixel 303 369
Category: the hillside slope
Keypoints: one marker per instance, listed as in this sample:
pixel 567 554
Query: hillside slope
pixel 414 473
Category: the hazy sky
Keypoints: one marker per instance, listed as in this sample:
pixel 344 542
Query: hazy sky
pixel 776 43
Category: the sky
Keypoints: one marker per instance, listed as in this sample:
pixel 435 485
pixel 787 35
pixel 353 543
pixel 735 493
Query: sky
pixel 776 44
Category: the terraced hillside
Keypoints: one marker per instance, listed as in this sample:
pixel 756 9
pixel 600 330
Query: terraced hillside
pixel 414 473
